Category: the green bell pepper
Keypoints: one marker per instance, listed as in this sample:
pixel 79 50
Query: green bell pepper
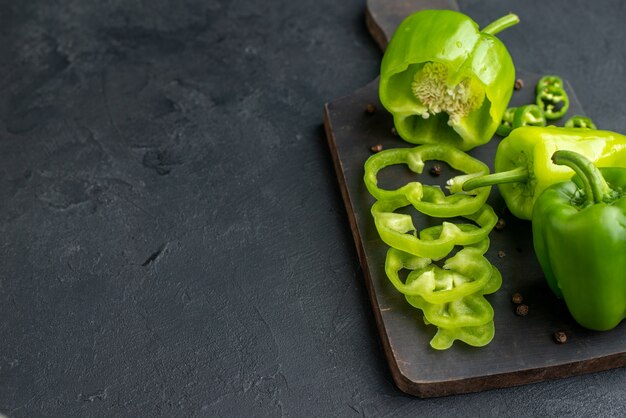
pixel 429 200
pixel 398 231
pixel 579 235
pixel 524 168
pixel 444 80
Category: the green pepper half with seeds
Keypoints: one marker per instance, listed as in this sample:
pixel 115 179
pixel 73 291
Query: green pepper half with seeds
pixel 444 80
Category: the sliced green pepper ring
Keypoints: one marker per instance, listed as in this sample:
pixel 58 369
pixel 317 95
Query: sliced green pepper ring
pixel 397 231
pixel 529 115
pixel 478 336
pixel 468 311
pixel 550 81
pixel 578 121
pixel 551 97
pixel 463 274
pixel 506 125
pixel 429 200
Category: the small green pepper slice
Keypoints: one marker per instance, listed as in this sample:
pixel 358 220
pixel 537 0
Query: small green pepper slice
pixel 529 115
pixel 429 200
pixel 551 97
pixel 550 81
pixel 506 125
pixel 578 121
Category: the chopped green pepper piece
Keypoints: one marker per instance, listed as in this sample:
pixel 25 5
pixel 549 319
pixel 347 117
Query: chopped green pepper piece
pixel 551 97
pixel 529 115
pixel 397 230
pixel 524 168
pixel 506 125
pixel 429 200
pixel 579 235
pixel 578 121
pixel 444 80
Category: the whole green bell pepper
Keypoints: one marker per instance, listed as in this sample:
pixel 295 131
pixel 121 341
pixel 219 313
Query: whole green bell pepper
pixel 579 235
pixel 444 80
pixel 524 167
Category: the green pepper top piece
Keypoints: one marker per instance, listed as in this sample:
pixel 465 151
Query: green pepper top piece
pixel 444 80
pixel 579 235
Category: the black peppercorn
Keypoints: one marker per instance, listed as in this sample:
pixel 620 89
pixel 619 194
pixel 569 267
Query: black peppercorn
pixel 519 84
pixel 560 337
pixel 517 298
pixel 370 109
pixel 521 310
pixel 435 170
pixel 376 148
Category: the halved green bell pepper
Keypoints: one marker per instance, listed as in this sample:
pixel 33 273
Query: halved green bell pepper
pixel 446 81
pixel 524 167
pixel 579 235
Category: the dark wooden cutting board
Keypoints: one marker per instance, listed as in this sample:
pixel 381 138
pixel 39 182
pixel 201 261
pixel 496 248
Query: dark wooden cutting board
pixel 523 350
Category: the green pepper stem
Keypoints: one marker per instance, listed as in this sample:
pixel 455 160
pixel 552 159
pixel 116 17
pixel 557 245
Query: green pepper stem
pixel 596 188
pixel 516 175
pixel 501 24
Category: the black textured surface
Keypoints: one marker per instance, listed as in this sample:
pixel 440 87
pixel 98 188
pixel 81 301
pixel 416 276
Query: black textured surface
pixel 173 239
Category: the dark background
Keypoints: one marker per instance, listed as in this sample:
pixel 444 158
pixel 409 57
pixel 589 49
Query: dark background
pixel 173 239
